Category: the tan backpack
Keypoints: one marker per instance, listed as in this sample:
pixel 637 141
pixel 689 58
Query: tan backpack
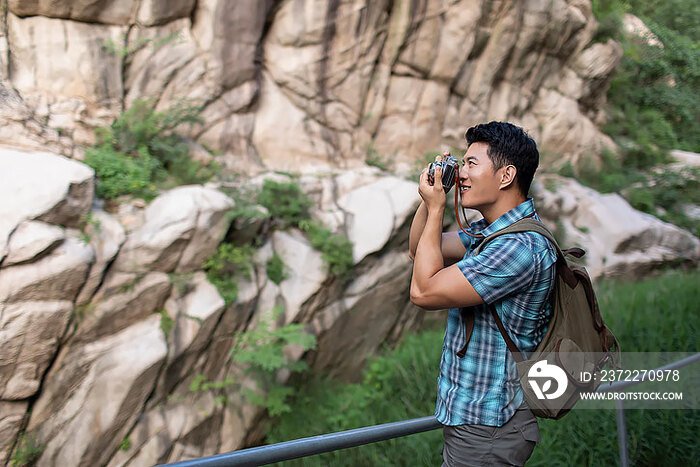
pixel 577 340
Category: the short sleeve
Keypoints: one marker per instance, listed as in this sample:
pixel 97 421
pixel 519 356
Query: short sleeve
pixel 466 240
pixel 505 266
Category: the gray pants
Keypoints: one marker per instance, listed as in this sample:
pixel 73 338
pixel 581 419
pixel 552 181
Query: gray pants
pixel 510 444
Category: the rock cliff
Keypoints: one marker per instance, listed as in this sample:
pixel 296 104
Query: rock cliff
pixel 298 83
pixel 107 320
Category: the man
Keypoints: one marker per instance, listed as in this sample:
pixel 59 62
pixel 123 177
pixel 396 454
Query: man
pixel 479 401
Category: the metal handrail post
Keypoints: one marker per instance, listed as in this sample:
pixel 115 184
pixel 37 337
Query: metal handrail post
pixel 621 432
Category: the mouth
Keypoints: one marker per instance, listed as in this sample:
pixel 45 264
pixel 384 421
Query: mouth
pixel 464 188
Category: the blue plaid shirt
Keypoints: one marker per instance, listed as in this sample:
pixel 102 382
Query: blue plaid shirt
pixel 515 272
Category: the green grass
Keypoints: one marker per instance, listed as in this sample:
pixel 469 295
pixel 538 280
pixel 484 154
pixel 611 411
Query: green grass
pixel 657 314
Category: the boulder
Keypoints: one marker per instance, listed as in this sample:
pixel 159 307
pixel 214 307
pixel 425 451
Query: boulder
pixel 89 11
pixel 55 277
pixel 182 228
pixel 95 392
pixel 44 187
pixel 619 240
pixel 30 239
pixel 30 333
pixel 384 205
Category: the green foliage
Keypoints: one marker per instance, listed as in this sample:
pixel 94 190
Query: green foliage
pixel 246 203
pixel 286 202
pixel 124 50
pixel 658 314
pixel 167 323
pixel 374 159
pixel 125 444
pixel 89 223
pixel 653 99
pixel 335 249
pixel 27 451
pixel 275 269
pixel 609 15
pixel 262 350
pixel 141 151
pixel 225 266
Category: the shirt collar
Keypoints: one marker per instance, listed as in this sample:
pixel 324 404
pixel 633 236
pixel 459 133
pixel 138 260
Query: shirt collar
pixel 524 209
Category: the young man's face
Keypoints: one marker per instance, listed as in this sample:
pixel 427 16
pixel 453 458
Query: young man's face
pixel 479 184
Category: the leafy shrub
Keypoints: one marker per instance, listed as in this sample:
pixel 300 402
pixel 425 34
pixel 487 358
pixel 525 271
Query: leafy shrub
pixel 285 202
pixel 226 265
pixel 335 249
pixel 275 269
pixel 262 350
pixel 609 15
pixel 118 174
pixel 653 99
pixel 140 150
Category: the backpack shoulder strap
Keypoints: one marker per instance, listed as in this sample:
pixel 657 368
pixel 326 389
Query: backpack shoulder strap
pixel 527 224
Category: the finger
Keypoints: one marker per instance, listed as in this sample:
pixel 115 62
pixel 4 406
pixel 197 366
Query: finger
pixel 438 177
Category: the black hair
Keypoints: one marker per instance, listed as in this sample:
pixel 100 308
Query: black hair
pixel 508 145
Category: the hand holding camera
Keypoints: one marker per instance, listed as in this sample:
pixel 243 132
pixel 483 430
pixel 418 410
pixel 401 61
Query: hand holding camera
pixel 448 166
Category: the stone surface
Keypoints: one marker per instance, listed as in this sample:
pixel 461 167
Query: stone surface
pixel 89 68
pixel 41 186
pixel 91 11
pixel 128 305
pixel 182 228
pixel 375 211
pixel 57 276
pixel 195 308
pixel 339 78
pixel 29 336
pixel 106 235
pixel 94 394
pixel 11 416
pixel 306 270
pixel 30 239
pixel 159 429
pixel 363 319
pixel 619 241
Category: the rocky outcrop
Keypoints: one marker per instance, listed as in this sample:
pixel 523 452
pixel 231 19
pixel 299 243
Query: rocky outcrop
pixel 105 329
pixel 291 84
pixel 619 240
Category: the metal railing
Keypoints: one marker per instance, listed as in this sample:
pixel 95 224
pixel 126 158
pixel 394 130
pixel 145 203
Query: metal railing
pixel 346 439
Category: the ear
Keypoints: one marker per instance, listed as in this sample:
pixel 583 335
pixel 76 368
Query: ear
pixel 508 174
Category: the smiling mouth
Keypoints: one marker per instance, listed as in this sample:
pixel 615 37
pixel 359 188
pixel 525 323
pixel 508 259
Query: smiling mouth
pixel 464 188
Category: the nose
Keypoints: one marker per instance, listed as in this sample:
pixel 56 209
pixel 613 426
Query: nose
pixel 463 172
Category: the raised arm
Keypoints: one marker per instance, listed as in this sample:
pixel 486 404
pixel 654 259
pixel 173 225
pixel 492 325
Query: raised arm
pixel 451 246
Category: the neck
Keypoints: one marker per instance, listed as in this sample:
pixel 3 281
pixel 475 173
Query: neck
pixel 501 206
